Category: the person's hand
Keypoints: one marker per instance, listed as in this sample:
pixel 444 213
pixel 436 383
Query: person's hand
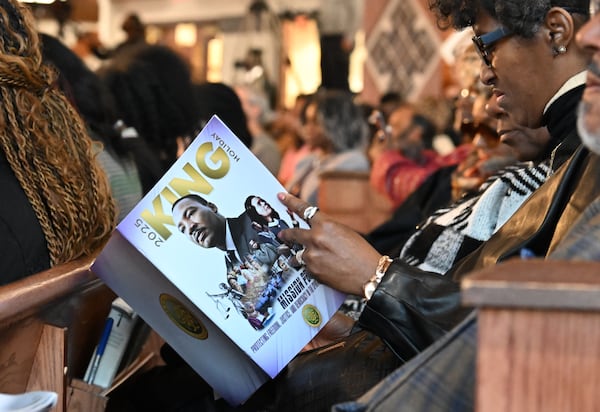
pixel 339 326
pixel 333 253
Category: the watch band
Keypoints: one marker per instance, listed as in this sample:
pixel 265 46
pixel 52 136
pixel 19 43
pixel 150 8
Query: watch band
pixel 370 286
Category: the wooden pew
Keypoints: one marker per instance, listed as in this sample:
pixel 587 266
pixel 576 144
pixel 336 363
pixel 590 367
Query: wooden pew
pixel 349 198
pixel 50 323
pixel 538 336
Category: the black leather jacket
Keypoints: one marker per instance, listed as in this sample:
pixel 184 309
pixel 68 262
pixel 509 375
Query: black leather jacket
pixel 411 308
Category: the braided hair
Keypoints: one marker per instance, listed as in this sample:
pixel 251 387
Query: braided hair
pixel 47 147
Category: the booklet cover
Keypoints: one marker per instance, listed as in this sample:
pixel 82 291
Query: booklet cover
pixel 200 261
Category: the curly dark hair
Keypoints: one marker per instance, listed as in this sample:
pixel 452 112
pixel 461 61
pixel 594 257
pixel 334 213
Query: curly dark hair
pixel 151 85
pixel 84 90
pixel 522 17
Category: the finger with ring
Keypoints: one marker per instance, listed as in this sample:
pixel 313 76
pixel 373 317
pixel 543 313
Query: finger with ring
pixel 309 212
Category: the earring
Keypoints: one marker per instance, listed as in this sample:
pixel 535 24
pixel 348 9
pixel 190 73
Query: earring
pixel 562 49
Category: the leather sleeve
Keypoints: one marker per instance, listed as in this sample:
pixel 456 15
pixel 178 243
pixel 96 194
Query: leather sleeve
pixel 412 308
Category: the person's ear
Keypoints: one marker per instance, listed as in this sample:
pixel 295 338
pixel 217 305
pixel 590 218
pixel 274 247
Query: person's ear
pixel 560 30
pixel 212 207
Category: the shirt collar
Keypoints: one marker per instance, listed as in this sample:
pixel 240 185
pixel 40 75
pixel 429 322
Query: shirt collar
pixel 229 244
pixel 570 84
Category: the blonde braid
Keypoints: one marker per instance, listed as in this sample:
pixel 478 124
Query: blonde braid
pixel 47 146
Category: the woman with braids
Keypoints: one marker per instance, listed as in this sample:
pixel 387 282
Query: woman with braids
pixel 56 204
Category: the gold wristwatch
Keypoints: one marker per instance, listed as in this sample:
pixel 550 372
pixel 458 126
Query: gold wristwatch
pixel 370 286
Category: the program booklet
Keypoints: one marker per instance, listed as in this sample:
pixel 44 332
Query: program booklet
pixel 200 261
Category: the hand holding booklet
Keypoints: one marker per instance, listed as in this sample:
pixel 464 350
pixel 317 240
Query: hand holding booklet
pixel 200 261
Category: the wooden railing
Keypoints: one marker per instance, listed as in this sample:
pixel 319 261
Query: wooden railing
pixel 349 198
pixel 50 323
pixel 538 336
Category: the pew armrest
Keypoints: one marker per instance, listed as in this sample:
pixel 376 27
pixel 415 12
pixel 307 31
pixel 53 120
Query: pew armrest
pixel 50 323
pixel 31 294
pixel 538 335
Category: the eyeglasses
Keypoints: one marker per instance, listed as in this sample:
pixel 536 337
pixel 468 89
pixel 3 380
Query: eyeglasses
pixel 484 42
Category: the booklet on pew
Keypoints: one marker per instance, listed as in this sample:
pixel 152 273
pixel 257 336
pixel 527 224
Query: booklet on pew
pixel 200 261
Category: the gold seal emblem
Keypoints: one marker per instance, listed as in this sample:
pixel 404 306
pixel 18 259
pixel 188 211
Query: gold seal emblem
pixel 311 315
pixel 182 317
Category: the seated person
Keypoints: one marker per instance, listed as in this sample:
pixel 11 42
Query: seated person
pixel 488 154
pixel 388 102
pixel 458 184
pixel 152 88
pixel 57 204
pixel 450 361
pixel 287 131
pixel 338 131
pixel 410 306
pixel 94 103
pixel 404 158
pixel 414 299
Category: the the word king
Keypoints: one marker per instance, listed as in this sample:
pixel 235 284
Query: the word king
pixel 211 162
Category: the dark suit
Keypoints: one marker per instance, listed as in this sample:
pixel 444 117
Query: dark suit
pixel 242 232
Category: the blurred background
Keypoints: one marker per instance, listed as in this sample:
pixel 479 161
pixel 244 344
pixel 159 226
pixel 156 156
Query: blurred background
pixel 397 47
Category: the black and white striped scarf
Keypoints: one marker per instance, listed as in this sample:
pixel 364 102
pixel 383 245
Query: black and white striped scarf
pixel 453 232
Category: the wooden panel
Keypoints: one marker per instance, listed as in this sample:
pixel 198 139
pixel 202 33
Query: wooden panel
pixel 67 295
pixel 532 361
pixel 84 314
pixel 535 283
pixel 349 198
pixel 85 398
pixel 50 323
pixel 538 337
pixel 17 352
pixel 48 371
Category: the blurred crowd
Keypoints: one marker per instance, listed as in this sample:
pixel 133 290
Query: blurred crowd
pixel 500 166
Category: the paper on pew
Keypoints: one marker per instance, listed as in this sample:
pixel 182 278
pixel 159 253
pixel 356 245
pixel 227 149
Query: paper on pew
pixel 124 323
pixel 36 401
